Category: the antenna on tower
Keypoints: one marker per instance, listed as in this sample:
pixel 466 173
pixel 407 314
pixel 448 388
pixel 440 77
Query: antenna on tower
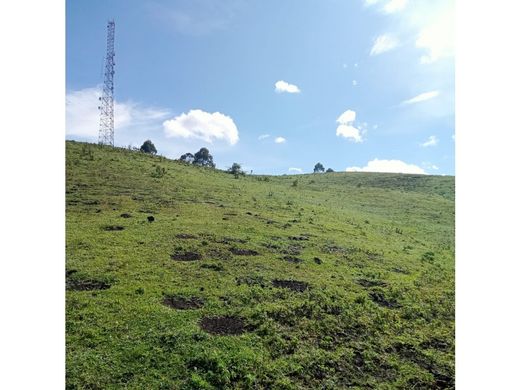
pixel 106 118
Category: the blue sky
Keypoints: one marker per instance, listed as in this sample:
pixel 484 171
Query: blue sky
pixel 274 85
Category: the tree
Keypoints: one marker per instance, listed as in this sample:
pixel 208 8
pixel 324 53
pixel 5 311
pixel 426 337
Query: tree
pixel 319 168
pixel 187 158
pixel 148 147
pixel 236 170
pixel 330 170
pixel 203 158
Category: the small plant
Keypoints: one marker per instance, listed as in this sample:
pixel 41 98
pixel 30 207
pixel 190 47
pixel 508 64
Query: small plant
pixel 159 172
pixel 428 256
pixel 86 153
pixel 236 170
pixel 295 183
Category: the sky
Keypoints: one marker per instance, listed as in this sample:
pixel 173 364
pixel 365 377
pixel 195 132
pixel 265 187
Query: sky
pixel 277 86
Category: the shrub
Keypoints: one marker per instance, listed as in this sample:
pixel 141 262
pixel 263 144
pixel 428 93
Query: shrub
pixel 148 147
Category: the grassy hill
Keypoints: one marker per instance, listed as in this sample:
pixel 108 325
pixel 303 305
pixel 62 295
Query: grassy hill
pixel 329 281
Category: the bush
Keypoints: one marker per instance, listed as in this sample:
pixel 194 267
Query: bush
pixel 236 170
pixel 319 168
pixel 148 147
pixel 203 158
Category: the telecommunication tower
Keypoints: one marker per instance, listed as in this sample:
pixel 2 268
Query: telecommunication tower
pixel 106 108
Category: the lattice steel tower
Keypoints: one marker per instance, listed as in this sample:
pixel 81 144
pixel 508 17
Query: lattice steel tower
pixel 106 118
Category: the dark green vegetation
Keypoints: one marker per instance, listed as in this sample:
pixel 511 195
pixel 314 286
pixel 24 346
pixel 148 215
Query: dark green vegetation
pixel 183 277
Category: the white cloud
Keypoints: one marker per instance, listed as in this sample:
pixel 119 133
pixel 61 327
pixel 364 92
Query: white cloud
pixel 394 6
pixel 346 128
pixel 202 125
pixel 348 131
pixel 437 38
pixel 347 117
pixel 421 97
pixel 388 166
pixel 263 136
pixel 432 141
pixel 279 140
pixel 82 113
pixel 297 170
pixel 383 43
pixel 283 86
pixel 354 82
pixel 428 165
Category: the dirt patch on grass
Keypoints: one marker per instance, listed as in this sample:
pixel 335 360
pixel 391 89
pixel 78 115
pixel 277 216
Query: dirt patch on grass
pixel 126 215
pixel 381 300
pixel 293 285
pixel 113 228
pixel 299 238
pixel 186 256
pixel 77 284
pixel 226 325
pixel 371 283
pixel 293 250
pixel 252 281
pixel 185 236
pixel 293 259
pixel 150 218
pixel 183 303
pixel 243 252
pixel 318 261
pixel 214 267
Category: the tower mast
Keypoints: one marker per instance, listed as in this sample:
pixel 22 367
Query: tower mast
pixel 106 108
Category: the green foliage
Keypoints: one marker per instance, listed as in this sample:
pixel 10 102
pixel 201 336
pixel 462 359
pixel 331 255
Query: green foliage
pixel 329 170
pixel 148 147
pixel 203 158
pixel 319 168
pixel 236 170
pixel 379 310
pixel 158 172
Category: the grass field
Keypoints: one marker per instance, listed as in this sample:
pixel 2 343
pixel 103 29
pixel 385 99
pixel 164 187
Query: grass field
pixel 319 281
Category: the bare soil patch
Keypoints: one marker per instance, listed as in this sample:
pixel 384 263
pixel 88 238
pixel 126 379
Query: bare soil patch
pixel 252 281
pixel 183 303
pixel 86 284
pixel 317 260
pixel 150 218
pixel 294 285
pixel 299 238
pixel 293 259
pixel 226 325
pixel 244 252
pixel 214 267
pixel 185 236
pixel 381 300
pixel 371 283
pixel 113 228
pixel 126 215
pixel 186 256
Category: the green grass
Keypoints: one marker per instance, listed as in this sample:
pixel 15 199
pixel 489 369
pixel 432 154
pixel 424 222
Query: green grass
pixel 378 313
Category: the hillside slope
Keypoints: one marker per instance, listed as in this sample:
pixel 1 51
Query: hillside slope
pixel 189 278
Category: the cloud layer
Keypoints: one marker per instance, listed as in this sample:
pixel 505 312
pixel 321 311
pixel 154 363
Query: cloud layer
pixel 283 86
pixel 346 127
pixel 202 125
pixel 388 166
pixel 421 97
pixel 384 43
pixel 280 140
pixel 432 141
pixel 82 113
